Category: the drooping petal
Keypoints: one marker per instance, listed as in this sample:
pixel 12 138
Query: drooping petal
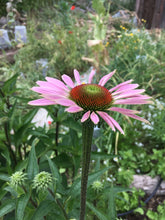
pixel 74 109
pixel 138 118
pixel 120 85
pixel 116 124
pixel 42 102
pixel 105 116
pixel 65 102
pixel 94 118
pixel 91 75
pixel 68 80
pixel 77 76
pixel 85 116
pixel 123 110
pixel 57 83
pixel 105 78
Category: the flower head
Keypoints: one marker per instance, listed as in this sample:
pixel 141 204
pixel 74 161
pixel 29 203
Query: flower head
pixel 94 100
pixel 17 179
pixel 70 32
pixel 42 181
pixel 59 41
pixel 97 186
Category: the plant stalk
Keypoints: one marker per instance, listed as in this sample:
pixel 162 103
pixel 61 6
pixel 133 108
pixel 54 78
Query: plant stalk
pixel 87 134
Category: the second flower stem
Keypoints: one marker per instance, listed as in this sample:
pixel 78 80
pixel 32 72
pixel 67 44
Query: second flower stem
pixel 87 134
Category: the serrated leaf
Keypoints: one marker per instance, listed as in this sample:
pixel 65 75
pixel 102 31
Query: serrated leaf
pixel 100 215
pixel 21 205
pixel 7 207
pixel 32 167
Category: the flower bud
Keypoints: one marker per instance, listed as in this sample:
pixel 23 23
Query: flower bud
pixel 17 179
pixel 97 186
pixel 42 181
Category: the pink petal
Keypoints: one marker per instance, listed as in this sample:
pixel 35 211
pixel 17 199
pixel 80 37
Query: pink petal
pixel 128 94
pixel 57 83
pixel 123 110
pixel 74 109
pixel 121 84
pixel 91 75
pixel 85 116
pixel 94 118
pixel 65 102
pixel 105 116
pixel 41 102
pixel 126 88
pixel 68 80
pixel 48 91
pixel 77 77
pixel 137 118
pixel 116 124
pixel 105 78
pixel 132 101
pixel 48 85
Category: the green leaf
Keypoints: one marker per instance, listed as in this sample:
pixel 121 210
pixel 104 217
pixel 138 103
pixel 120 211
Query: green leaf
pixel 29 116
pixel 7 207
pixel 20 133
pixel 32 167
pixel 111 204
pixel 100 215
pixel 2 192
pixel 74 137
pixel 4 177
pixel 21 205
pixel 12 114
pixel 71 123
pixel 98 7
pixel 139 210
pixel 9 86
pixel 54 170
pixel 44 208
pixel 75 188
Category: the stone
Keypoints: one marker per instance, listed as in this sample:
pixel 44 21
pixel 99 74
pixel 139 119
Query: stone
pixel 4 39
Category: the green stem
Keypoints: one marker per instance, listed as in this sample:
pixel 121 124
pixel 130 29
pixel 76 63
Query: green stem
pixel 87 134
pixel 59 204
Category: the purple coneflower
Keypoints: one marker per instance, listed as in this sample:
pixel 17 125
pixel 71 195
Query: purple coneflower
pixel 94 100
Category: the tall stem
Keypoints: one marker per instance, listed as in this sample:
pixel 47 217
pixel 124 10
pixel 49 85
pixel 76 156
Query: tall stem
pixel 87 134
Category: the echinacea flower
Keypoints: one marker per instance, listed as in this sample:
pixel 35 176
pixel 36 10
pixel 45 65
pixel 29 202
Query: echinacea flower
pixel 94 100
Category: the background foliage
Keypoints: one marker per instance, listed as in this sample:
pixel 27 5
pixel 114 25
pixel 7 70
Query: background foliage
pixel 59 35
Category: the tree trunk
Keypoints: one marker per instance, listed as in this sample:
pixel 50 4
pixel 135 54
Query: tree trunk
pixel 153 11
